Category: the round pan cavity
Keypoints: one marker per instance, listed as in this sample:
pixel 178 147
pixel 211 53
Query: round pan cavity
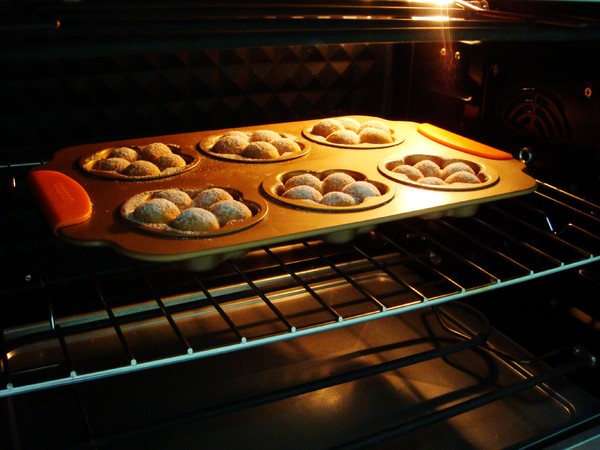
pixel 91 164
pixel 275 187
pixel 321 137
pixel 257 206
pixel 207 145
pixel 395 168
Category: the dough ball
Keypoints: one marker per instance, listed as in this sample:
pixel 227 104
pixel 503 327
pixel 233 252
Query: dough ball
pixel 170 161
pixel 463 177
pixel 349 123
pixel 264 136
pixel 229 210
pixel 455 167
pixel 232 144
pixel 124 152
pixel 336 181
pixel 196 219
pixel 431 181
pixel 428 168
pixel 111 165
pixel 305 179
pixel 303 193
pixel 375 124
pixel 326 126
pixel 361 190
pixel 335 198
pixel 412 173
pixel 210 196
pixel 156 210
pixel 260 150
pixel 180 198
pixel 286 145
pixel 152 152
pixel 372 135
pixel 141 168
pixel 347 137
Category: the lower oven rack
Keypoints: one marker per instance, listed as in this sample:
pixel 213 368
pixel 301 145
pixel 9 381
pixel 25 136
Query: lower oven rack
pixel 71 315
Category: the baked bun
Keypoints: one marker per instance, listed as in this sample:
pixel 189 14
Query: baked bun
pixel 111 165
pixel 260 150
pixel 196 219
pixel 371 135
pixel 141 168
pixel 374 124
pixel 347 137
pixel 181 199
pixel 410 172
pixel 428 168
pixel 463 177
pixel 230 144
pixel 361 190
pixel 335 198
pixel 432 181
pixel 326 126
pixel 286 145
pixel 455 167
pixel 210 196
pixel 264 136
pixel 170 161
pixel 349 123
pixel 152 152
pixel 228 210
pixel 306 179
pixel 303 193
pixel 336 181
pixel 156 210
pixel 124 152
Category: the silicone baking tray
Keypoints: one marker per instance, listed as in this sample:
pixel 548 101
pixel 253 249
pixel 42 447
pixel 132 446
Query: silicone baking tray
pixel 86 210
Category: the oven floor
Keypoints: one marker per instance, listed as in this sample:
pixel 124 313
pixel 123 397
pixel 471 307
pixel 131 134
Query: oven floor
pixel 170 407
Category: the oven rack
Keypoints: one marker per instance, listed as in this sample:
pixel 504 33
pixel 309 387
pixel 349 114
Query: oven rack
pixel 71 315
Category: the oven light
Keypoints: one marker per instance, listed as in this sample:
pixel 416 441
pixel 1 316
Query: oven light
pixel 432 18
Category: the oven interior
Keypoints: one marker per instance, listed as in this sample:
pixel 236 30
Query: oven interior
pixel 476 332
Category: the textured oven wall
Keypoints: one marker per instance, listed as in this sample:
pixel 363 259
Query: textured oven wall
pixel 52 101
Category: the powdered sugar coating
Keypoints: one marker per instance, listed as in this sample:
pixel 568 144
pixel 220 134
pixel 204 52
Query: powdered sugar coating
pixel 428 168
pixel 371 135
pixel 361 190
pixel 124 152
pixel 210 196
pixel 264 136
pixel 152 152
pixel 111 164
pixel 156 210
pixel 326 126
pixel 455 167
pixel 171 160
pixel 260 150
pixel 196 219
pixel 336 181
pixel 230 210
pixel 306 179
pixel 141 168
pixel 286 145
pixel 349 123
pixel 374 124
pixel 463 177
pixel 180 198
pixel 231 144
pixel 410 172
pixel 335 198
pixel 348 137
pixel 432 181
pixel 303 193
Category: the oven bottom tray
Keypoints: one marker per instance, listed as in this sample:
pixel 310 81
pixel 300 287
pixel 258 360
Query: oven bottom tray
pixel 174 407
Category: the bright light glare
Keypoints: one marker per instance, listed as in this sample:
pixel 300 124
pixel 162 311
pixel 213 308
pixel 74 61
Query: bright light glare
pixel 434 2
pixel 432 18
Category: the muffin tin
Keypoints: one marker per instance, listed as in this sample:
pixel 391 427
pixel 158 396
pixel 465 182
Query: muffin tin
pixel 92 164
pixel 94 210
pixel 241 151
pixel 438 168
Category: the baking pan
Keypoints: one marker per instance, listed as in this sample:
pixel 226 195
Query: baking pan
pixel 86 210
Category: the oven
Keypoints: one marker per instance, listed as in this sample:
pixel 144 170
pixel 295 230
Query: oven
pixel 469 327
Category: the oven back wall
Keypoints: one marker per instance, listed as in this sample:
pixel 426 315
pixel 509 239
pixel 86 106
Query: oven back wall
pixel 52 100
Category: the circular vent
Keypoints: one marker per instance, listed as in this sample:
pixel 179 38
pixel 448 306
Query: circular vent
pixel 534 111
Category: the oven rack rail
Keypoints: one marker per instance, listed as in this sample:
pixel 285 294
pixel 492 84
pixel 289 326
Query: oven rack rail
pixel 506 243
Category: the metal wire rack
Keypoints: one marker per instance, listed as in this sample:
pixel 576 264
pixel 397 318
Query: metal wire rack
pixel 71 315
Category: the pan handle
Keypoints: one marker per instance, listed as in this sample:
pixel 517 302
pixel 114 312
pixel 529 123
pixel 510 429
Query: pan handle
pixel 63 200
pixel 461 143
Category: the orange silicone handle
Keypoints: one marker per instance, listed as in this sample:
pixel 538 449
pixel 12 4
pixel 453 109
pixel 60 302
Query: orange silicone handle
pixel 63 200
pixel 461 143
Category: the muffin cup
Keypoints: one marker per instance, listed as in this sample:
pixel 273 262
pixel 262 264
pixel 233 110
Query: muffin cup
pixel 257 206
pixel 190 156
pixel 273 187
pixel 487 175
